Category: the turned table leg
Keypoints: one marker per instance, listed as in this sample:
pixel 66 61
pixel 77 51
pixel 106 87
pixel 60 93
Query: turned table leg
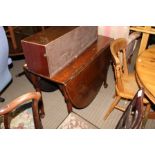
pixel 64 93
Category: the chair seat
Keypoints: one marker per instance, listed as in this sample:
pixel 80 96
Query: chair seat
pixel 152 46
pixel 130 87
pixel 20 120
pixel 74 121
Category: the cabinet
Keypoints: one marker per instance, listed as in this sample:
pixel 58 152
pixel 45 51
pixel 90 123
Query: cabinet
pixel 15 34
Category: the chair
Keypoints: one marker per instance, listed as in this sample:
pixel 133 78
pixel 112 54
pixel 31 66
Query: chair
pixel 146 31
pixel 74 121
pixel 125 82
pixel 5 75
pixel 122 32
pixel 133 115
pixel 19 102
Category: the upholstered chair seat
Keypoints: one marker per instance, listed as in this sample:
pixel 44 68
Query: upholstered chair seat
pixel 21 113
pixel 20 119
pixel 74 121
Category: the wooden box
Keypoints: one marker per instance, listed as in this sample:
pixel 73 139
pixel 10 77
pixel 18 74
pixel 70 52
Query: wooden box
pixel 49 51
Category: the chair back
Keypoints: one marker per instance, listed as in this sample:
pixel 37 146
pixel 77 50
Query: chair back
pixel 132 117
pixel 118 51
pixel 21 101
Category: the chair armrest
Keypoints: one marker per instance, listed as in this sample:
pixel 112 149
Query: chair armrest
pixel 19 101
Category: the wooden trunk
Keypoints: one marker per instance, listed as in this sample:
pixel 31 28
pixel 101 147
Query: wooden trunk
pixel 54 48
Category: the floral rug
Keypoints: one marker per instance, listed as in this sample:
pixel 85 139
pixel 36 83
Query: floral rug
pixel 21 118
pixel 74 121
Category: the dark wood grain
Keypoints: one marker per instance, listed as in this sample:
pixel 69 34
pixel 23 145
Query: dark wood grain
pixel 81 79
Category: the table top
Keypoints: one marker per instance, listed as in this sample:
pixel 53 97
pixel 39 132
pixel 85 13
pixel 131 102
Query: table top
pixel 75 66
pixel 83 60
pixel 145 70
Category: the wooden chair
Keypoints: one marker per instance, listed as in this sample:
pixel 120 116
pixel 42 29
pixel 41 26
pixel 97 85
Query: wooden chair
pixel 133 115
pixel 18 102
pixel 116 32
pixel 146 31
pixel 125 82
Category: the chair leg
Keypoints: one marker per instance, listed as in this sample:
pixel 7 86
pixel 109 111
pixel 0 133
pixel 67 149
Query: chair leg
pixel 41 107
pixel 36 116
pixel 112 106
pixel 147 110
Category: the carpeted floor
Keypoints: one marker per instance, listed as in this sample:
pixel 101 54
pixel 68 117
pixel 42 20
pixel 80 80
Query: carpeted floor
pixel 55 106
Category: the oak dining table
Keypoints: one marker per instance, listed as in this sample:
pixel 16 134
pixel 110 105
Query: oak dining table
pixel 145 73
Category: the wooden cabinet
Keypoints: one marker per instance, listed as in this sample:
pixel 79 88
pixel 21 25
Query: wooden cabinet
pixel 53 49
pixel 15 34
